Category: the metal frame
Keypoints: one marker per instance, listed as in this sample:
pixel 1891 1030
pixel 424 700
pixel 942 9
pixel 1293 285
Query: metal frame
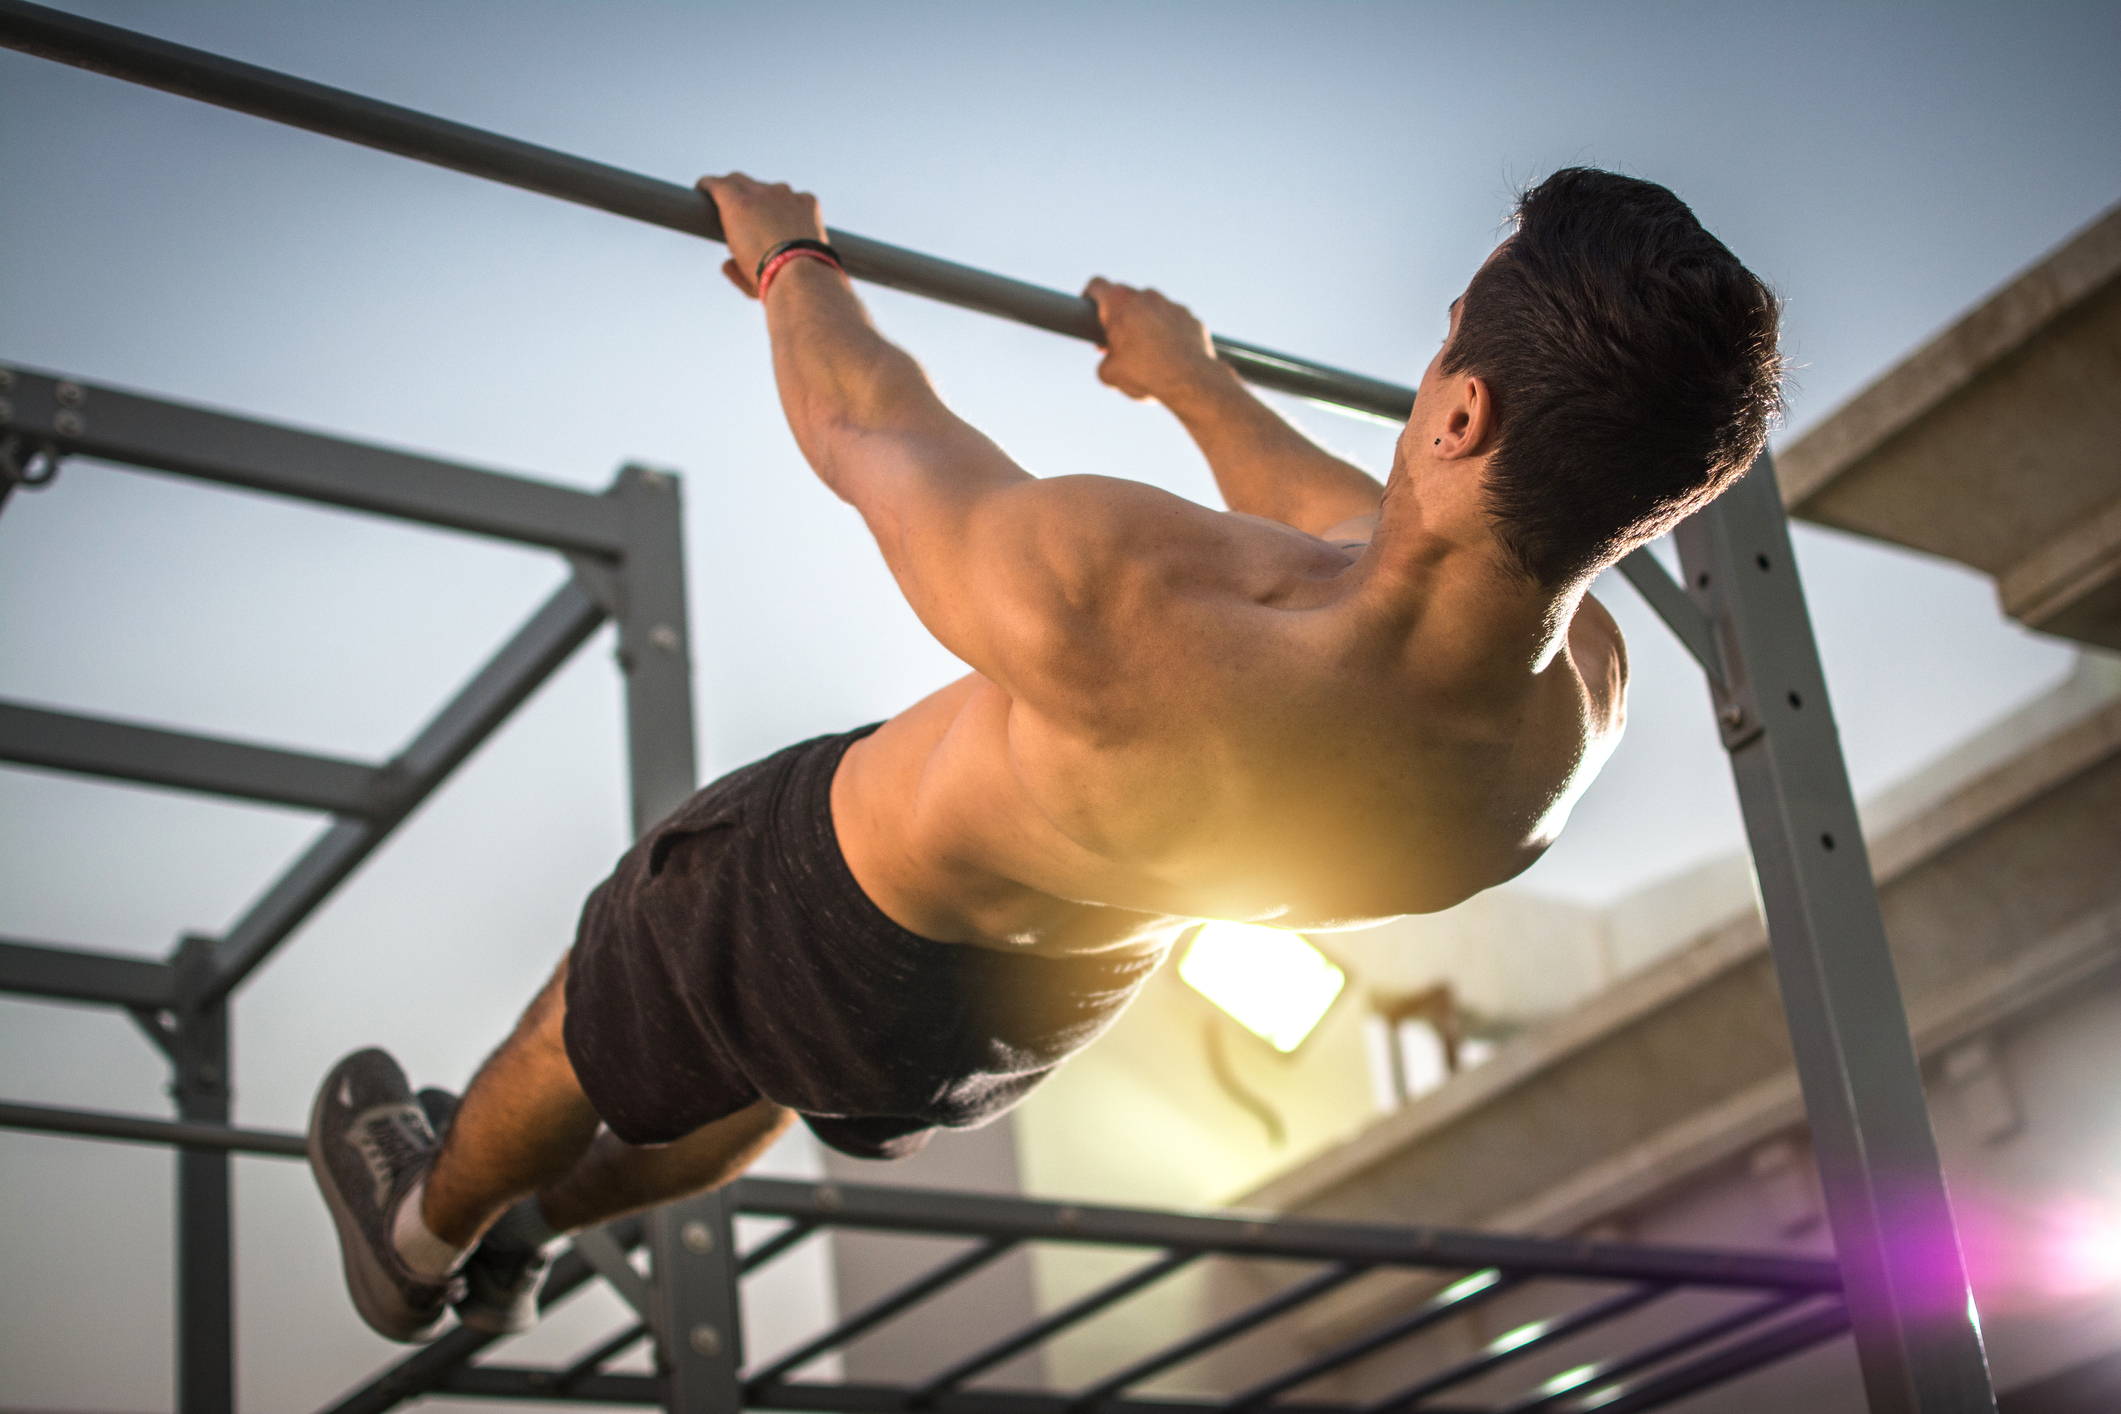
pixel 691 1314
pixel 1740 613
pixel 627 550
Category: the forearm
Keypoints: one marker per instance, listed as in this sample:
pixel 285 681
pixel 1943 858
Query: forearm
pixel 1263 466
pixel 840 380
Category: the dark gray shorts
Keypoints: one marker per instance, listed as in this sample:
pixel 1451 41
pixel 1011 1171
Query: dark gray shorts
pixel 731 956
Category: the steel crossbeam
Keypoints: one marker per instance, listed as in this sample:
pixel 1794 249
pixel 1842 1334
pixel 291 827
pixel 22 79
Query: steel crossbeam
pixel 84 975
pixel 122 751
pixel 246 88
pixel 90 419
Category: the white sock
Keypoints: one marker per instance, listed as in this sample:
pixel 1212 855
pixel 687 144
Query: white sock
pixel 428 1255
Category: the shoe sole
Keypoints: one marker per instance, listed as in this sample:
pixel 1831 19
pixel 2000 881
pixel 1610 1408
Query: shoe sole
pixel 374 1292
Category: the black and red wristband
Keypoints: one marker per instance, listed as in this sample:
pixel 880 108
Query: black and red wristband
pixel 802 248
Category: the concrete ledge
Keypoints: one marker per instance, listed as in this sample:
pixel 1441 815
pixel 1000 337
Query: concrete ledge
pixel 1992 331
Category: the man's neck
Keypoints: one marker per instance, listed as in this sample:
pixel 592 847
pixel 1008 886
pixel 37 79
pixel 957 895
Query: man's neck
pixel 1436 562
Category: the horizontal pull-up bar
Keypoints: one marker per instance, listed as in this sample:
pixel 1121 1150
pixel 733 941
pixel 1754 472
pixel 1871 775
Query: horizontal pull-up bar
pixel 264 93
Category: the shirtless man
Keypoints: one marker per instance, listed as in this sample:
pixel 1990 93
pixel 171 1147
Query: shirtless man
pixel 1333 704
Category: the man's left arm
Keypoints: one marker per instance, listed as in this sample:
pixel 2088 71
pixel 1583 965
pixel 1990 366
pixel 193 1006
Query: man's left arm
pixel 1156 348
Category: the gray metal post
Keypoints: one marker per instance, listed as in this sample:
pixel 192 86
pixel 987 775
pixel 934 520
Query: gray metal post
pixel 655 644
pixel 697 1317
pixel 694 1296
pixel 197 1044
pixel 1916 1337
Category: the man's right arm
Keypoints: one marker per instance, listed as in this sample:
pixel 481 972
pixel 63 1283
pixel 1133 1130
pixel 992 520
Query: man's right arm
pixel 1263 466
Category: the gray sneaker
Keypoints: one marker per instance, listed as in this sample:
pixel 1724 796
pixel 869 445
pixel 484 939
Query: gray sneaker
pixel 369 1143
pixel 502 1277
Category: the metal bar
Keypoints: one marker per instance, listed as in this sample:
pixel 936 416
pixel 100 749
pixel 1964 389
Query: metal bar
pixel 430 1367
pixel 879 1209
pixel 611 1262
pixel 1515 1344
pixel 246 88
pixel 695 1308
pixel 1042 1330
pixel 821 1398
pixel 78 975
pixel 697 1313
pixel 511 1382
pixel 1461 1296
pixel 1907 1291
pixel 538 649
pixel 1733 1360
pixel 1100 1393
pixel 655 644
pixel 206 1280
pixel 774 1246
pixel 96 746
pixel 956 1269
pixel 1559 1390
pixel 1669 602
pixel 137 430
pixel 138 1129
pixel 516 1382
pixel 592 1361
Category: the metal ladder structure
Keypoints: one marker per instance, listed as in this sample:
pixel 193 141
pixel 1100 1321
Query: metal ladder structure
pixel 1898 1282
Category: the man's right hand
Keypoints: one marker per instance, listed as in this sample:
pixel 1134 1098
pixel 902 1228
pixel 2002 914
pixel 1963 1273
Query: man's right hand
pixel 1155 348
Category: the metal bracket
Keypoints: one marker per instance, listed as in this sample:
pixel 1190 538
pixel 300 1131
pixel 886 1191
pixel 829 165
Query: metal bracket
pixel 604 1253
pixel 1669 602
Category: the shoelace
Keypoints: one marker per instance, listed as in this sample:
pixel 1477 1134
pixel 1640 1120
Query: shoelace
pixel 391 1135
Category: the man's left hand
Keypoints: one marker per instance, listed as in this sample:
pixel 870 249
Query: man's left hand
pixel 756 217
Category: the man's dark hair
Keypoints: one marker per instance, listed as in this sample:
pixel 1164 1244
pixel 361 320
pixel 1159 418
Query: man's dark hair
pixel 1633 366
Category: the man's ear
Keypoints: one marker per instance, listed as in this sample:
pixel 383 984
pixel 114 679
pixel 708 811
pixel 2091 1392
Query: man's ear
pixel 1469 422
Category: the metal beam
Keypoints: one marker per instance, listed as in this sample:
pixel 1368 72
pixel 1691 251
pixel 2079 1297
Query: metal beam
pixel 1469 1294
pixel 432 1366
pixel 880 1209
pixel 197 1044
pixel 1040 1331
pixel 1916 1336
pixel 1668 601
pixel 517 1382
pixel 695 1310
pixel 246 88
pixel 538 649
pixel 655 644
pixel 1516 1344
pixel 876 1313
pixel 1569 1389
pixel 139 1129
pixel 774 1246
pixel 93 420
pixel 1779 1342
pixel 121 751
pixel 1100 1394
pixel 78 975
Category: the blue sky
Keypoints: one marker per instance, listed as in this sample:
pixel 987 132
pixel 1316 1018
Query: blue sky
pixel 1318 178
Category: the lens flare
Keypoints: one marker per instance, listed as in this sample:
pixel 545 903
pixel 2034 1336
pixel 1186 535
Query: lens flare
pixel 1273 982
pixel 2028 1252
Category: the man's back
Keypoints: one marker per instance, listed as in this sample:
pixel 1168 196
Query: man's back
pixel 1227 717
